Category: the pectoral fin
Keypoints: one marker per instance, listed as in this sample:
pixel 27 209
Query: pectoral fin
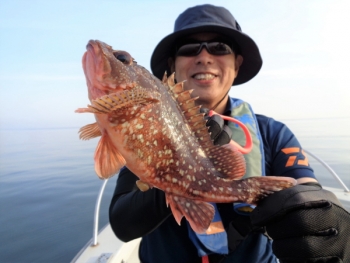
pixel 108 160
pixel 89 131
pixel 199 214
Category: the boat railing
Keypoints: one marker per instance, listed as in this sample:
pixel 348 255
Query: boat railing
pixel 97 213
pixel 330 170
pixel 102 189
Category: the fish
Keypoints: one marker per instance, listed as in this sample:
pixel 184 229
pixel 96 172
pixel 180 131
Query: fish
pixel 155 128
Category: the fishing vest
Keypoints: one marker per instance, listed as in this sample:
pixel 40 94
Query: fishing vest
pixel 215 238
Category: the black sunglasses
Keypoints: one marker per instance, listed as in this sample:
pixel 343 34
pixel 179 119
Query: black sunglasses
pixel 215 48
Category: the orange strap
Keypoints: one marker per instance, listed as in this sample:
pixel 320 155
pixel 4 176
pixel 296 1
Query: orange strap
pixel 205 259
pixel 249 141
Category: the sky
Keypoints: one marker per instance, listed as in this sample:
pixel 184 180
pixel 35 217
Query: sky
pixel 305 46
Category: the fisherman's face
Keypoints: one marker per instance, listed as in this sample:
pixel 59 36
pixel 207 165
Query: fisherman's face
pixel 210 76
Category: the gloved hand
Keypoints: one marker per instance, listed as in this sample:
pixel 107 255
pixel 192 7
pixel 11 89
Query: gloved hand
pixel 307 224
pixel 219 132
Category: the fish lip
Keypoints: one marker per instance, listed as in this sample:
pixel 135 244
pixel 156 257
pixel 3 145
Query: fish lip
pixel 91 44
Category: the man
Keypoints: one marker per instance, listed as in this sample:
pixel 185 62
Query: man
pixel 307 223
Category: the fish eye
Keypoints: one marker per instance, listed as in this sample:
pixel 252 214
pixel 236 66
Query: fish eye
pixel 122 58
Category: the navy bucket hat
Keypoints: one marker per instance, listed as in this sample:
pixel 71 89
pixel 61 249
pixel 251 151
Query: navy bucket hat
pixel 208 18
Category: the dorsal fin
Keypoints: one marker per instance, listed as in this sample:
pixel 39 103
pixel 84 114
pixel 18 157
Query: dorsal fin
pixel 190 110
pixel 229 163
pixel 171 80
pixel 165 77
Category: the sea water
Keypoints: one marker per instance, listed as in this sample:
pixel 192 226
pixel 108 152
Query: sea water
pixel 48 186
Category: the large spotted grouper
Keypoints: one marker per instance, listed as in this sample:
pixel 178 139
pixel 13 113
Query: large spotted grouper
pixel 155 129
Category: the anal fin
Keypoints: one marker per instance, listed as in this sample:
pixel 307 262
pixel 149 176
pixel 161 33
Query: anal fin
pixel 108 160
pixel 199 214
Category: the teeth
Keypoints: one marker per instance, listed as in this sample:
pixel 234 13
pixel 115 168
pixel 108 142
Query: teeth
pixel 204 76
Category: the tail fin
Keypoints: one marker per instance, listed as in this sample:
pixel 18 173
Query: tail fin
pixel 263 186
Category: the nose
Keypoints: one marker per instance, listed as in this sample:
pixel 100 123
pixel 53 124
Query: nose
pixel 204 57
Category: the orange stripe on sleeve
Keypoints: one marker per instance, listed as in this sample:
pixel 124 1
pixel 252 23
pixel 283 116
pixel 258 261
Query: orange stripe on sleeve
pixel 291 161
pixel 305 161
pixel 291 150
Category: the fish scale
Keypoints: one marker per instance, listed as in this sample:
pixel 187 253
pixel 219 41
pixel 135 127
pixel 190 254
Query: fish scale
pixel 156 129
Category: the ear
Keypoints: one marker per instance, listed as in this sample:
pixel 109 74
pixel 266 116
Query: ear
pixel 171 65
pixel 238 63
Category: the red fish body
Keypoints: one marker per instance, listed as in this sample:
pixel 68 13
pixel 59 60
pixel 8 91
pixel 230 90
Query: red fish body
pixel 156 130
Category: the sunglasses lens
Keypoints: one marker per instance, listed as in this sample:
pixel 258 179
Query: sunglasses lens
pixel 218 48
pixel 214 48
pixel 188 50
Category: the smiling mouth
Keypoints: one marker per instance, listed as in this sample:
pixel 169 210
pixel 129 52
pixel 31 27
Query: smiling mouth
pixel 204 76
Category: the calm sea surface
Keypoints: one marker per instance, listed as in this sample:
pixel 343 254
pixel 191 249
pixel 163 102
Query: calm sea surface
pixel 48 186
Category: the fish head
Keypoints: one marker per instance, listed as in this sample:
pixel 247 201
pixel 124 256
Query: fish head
pixel 107 70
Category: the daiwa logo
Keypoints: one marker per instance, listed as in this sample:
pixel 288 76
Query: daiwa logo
pixel 297 156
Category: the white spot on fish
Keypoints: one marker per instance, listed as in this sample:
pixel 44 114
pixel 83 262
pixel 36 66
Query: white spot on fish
pixel 138 126
pixel 140 138
pixel 125 124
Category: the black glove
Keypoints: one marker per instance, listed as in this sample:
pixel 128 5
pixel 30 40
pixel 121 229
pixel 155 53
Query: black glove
pixel 307 224
pixel 219 132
